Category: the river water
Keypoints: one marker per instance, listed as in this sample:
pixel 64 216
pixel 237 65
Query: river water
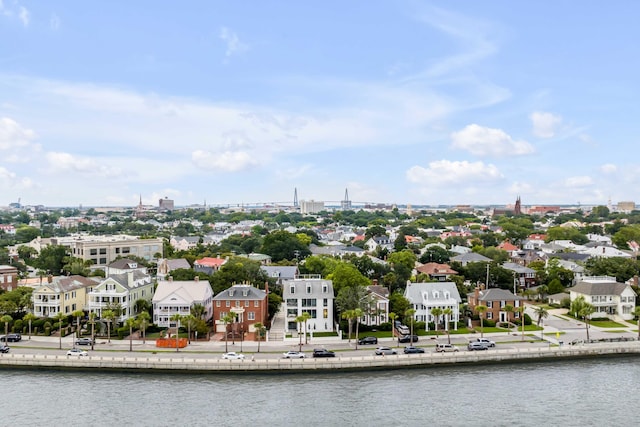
pixel 567 393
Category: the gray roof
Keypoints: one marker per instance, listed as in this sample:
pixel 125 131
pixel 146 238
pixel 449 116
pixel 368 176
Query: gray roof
pixel 512 266
pixel 599 288
pixel 497 294
pixel 471 257
pixel 174 264
pixel 123 278
pixel 241 292
pixel 68 283
pixel 280 271
pixel 300 285
pixel 125 264
pixel 435 291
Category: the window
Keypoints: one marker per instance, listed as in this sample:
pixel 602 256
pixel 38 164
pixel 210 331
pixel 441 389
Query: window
pixel 292 302
pixel 246 303
pixel 227 303
pixel 93 252
pixel 308 289
pixel 256 303
pixel 217 303
pixel 237 303
pixel 490 304
pixel 103 260
pixel 103 251
pixel 325 302
pixel 251 315
pixel 222 314
pixel 489 315
pixel 292 289
pixel 325 289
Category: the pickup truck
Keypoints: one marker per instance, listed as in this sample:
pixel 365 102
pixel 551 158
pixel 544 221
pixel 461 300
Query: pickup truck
pixel 487 341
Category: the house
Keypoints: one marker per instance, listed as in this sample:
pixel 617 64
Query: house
pixel 120 291
pixel 524 277
pixel 209 265
pixel 608 297
pixel 247 303
pixel 178 297
pixel 424 297
pixel 184 243
pixel 64 294
pixel 8 277
pixel 309 294
pixel 379 243
pixel 166 266
pixel 280 273
pixel 495 299
pixel 124 265
pixel 377 306
pixel 467 258
pixel 436 271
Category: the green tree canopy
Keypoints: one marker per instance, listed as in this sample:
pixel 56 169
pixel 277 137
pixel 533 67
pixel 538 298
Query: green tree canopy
pixel 281 245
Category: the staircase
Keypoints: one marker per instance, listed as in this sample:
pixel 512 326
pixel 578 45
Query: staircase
pixel 276 333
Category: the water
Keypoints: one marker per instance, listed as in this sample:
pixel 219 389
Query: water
pixel 568 393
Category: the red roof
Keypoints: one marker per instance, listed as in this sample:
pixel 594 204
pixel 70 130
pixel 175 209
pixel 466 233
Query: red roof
pixel 432 268
pixel 211 262
pixel 506 246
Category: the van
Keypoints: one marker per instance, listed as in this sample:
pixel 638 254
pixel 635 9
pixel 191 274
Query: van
pixel 444 348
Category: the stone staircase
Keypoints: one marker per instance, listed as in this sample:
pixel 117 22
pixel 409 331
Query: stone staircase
pixel 276 333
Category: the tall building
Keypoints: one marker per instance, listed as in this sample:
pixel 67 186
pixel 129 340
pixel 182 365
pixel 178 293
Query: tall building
pixel 311 206
pixel 165 204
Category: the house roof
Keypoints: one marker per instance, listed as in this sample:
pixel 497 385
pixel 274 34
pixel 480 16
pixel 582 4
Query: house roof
pixel 187 290
pixel 512 266
pixel 471 257
pixel 599 288
pixel 241 292
pixel 434 268
pixel 125 264
pixel 496 294
pixel 211 262
pixel 508 246
pixel 280 271
pixel 174 264
pixel 434 291
pixel 123 278
pixel 379 290
pixel 68 283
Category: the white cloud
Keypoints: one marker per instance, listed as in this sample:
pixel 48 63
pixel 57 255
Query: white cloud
pixel 545 125
pixel 294 172
pixel 224 161
pixel 444 172
pixel 13 135
pixel 578 181
pixel 484 141
pixel 65 162
pixel 24 16
pixel 521 188
pixel 608 168
pixel 54 22
pixel 234 45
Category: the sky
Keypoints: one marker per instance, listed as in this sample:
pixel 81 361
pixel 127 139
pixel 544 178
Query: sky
pixel 407 102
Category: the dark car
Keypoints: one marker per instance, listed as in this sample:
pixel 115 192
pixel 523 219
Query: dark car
pixel 84 341
pixel 4 348
pixel 11 338
pixel 368 340
pixel 323 352
pixel 411 350
pixel 408 338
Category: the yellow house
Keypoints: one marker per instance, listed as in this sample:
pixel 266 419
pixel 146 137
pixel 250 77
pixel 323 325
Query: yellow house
pixel 64 294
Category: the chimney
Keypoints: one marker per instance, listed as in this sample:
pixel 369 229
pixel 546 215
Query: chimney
pixel 171 278
pixel 49 278
pixel 266 287
pixel 635 280
pixel 130 278
pixel 196 279
pixel 477 294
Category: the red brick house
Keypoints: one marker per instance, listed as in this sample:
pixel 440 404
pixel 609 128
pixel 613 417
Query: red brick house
pixel 8 277
pixel 495 299
pixel 249 305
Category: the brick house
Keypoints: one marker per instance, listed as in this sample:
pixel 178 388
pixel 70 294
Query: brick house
pixel 249 305
pixel 8 277
pixel 495 299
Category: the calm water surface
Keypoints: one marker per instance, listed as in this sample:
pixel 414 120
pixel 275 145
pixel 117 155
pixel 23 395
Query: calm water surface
pixel 576 393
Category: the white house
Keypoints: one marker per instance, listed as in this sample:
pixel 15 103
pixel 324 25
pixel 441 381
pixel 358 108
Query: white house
pixel 178 297
pixel 309 294
pixel 377 306
pixel 120 290
pixel 424 297
pixel 610 298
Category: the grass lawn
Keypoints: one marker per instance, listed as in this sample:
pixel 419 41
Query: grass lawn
pixel 615 331
pixel 606 324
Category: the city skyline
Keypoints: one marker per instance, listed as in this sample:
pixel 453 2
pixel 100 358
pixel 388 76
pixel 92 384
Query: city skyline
pixel 400 102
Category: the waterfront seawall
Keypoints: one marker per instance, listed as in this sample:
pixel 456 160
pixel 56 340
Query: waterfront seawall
pixel 185 363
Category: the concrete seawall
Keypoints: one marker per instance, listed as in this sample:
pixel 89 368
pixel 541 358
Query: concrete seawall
pixel 216 365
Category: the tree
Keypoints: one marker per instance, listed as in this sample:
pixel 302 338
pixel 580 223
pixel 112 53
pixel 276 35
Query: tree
pixel 436 312
pixel 190 321
pixel 52 258
pixel 350 297
pixel 6 319
pixel 509 309
pixel 176 318
pixel 227 319
pixel 636 313
pixel 582 310
pixel 281 245
pixel 92 320
pixel 447 312
pixel 143 321
pixel 393 317
pixel 110 316
pixel 520 310
pixel 349 315
pixel 260 330
pixel 357 313
pixel 29 317
pixel 198 311
pixel 78 315
pixel 347 275
pixel 131 323
pixel 300 320
pixel 60 317
pixel 541 313
pixel 481 310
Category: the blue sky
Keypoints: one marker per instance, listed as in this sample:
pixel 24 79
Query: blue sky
pixel 417 102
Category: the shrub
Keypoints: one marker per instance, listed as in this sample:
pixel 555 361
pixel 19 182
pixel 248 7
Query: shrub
pixel 38 323
pixel 418 326
pixel 386 326
pixel 17 326
pixel 489 323
pixel 47 331
pixel 122 332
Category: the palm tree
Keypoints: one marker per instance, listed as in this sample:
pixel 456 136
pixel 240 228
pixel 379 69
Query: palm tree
pixel 300 320
pixel 110 315
pixel 176 318
pixel 306 317
pixel 60 317
pixel 447 312
pixel 349 315
pixel 92 320
pixel 29 317
pixel 542 313
pixel 190 321
pixel 583 310
pixel 392 317
pixel 520 310
pixel 198 311
pixel 409 312
pixel 143 321
pixel 481 309
pixel 357 312
pixel 636 313
pixel 260 329
pixel 436 312
pixel 6 319
pixel 509 309
pixel 227 319
pixel 131 323
pixel 78 315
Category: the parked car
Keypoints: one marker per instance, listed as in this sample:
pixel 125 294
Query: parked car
pixel 477 345
pixel 77 352
pixel 11 338
pixel 402 329
pixel 408 338
pixel 368 340
pixel 411 350
pixel 232 355
pixel 323 352
pixel 385 351
pixel 487 341
pixel 443 348
pixel 293 355
pixel 84 341
pixel 4 348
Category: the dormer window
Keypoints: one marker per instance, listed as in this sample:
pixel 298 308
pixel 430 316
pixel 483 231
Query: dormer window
pixel 292 289
pixel 325 289
pixel 245 292
pixel 308 289
pixel 230 292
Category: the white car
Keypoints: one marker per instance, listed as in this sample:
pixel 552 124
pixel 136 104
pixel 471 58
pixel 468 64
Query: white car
pixel 232 355
pixel 293 355
pixel 77 352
